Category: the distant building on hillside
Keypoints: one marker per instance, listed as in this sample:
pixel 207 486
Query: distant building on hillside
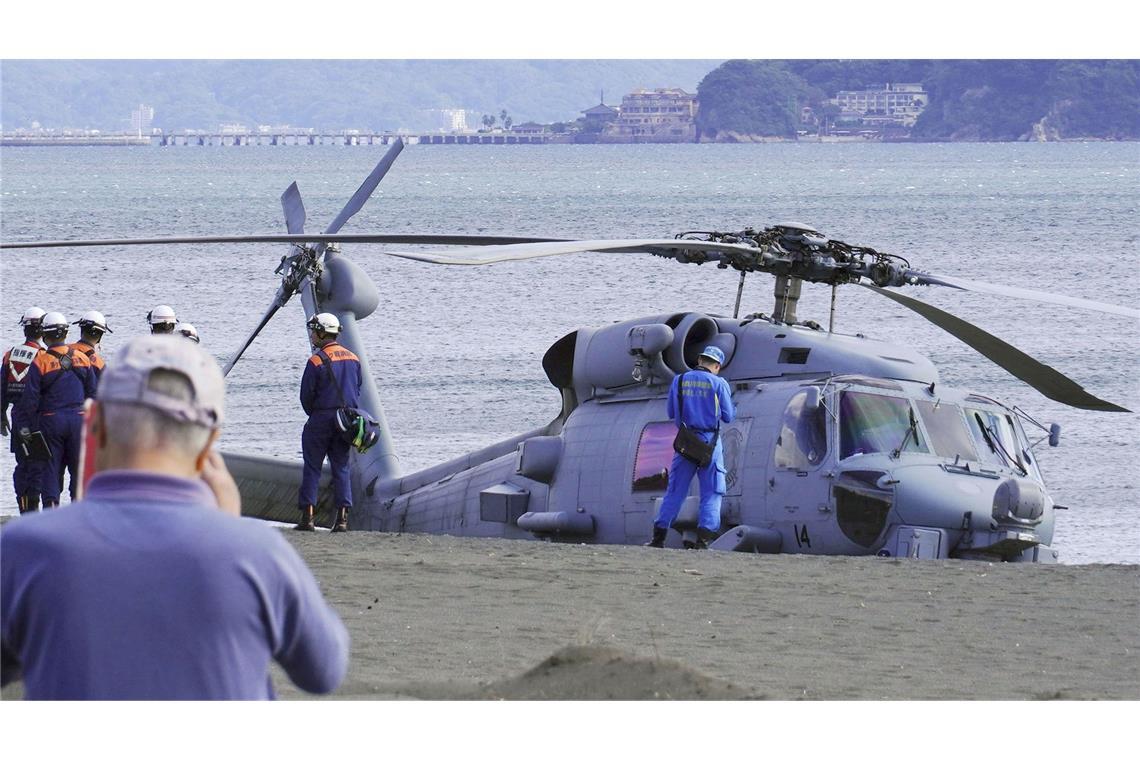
pixel 883 105
pixel 447 119
pixel 530 128
pixel 595 119
pixel 665 115
pixel 456 119
pixel 141 120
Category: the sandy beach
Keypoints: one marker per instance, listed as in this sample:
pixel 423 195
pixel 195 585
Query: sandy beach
pixel 436 617
pixel 443 618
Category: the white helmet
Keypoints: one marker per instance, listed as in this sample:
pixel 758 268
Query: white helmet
pixel 93 320
pixel 32 315
pixel 54 325
pixel 325 323
pixel 187 330
pixel 161 319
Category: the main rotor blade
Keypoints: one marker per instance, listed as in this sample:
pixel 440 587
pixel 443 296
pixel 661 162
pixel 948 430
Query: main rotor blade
pixel 1042 377
pixel 294 210
pixel 495 254
pixel 925 278
pixel 361 196
pixel 292 238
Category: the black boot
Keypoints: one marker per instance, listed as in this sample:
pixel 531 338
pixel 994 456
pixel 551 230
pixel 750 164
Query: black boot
pixel 341 524
pixel 658 540
pixel 306 522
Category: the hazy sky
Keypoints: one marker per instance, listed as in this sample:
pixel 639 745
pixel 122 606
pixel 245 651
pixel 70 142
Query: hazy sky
pixel 581 29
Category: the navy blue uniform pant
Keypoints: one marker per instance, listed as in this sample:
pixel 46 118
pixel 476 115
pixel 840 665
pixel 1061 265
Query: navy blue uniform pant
pixel 319 439
pixel 26 475
pixel 62 432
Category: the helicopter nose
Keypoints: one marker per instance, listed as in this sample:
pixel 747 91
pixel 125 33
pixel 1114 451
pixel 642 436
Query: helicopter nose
pixel 1016 530
pixel 1019 502
pixel 930 496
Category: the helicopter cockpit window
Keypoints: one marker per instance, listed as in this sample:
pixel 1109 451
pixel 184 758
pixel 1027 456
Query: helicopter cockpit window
pixel 995 437
pixel 802 443
pixel 871 423
pixel 947 429
pixel 654 455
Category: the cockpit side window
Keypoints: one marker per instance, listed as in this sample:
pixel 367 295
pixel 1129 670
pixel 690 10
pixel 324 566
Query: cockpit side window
pixel 802 443
pixel 654 455
pixel 947 429
pixel 871 423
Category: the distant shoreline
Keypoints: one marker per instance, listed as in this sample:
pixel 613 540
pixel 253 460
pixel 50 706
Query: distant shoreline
pixel 119 141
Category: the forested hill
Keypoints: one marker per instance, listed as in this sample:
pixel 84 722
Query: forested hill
pixel 333 94
pixel 969 100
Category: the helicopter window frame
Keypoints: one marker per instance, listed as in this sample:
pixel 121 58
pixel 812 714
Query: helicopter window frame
pixel 1028 461
pixel 882 438
pixel 813 422
pixel 654 447
pixel 1001 422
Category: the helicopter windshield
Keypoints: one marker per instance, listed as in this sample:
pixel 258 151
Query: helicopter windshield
pixel 870 423
pixel 947 429
pixel 803 435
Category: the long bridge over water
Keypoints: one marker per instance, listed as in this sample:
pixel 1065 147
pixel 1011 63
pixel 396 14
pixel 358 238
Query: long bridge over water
pixel 235 139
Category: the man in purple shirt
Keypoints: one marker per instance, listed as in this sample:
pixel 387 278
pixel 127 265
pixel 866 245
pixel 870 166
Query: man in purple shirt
pixel 152 586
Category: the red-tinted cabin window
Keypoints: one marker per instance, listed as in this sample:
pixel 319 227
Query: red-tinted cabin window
pixel 654 455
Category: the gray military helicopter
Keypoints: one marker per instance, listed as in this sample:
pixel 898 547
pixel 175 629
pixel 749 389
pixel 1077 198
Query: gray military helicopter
pixel 842 444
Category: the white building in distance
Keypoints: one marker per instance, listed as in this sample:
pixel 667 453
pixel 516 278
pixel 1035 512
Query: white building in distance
pixel 141 120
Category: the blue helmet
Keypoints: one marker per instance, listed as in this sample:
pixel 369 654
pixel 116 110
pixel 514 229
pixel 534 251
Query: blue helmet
pixel 714 353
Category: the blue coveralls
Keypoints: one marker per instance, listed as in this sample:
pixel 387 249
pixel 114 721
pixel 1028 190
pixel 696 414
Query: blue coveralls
pixel 321 437
pixel 13 374
pixel 52 403
pixel 707 398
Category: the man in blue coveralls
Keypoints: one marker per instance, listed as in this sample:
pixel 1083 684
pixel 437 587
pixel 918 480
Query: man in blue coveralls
pixel 59 381
pixel 331 380
pixel 706 402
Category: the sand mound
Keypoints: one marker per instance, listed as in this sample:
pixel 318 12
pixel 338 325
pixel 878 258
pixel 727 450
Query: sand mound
pixel 597 672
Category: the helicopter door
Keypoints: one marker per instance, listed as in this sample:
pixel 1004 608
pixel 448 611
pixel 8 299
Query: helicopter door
pixel 796 493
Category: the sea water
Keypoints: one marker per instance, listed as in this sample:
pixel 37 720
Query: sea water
pixel 457 351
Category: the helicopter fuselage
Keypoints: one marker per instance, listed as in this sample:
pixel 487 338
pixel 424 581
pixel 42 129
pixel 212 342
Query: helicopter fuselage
pixel 841 445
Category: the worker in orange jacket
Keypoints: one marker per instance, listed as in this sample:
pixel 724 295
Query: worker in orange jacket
pixel 59 381
pixel 14 371
pixel 92 327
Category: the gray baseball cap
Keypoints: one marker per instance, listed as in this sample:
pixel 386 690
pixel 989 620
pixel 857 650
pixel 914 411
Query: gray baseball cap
pixel 126 379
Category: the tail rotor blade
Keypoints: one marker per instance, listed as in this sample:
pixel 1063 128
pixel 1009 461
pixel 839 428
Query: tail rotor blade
pixel 1042 377
pixel 294 210
pixel 361 196
pixel 283 296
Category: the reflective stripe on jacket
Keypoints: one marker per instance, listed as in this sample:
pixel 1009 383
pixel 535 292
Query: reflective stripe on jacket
pixel 318 393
